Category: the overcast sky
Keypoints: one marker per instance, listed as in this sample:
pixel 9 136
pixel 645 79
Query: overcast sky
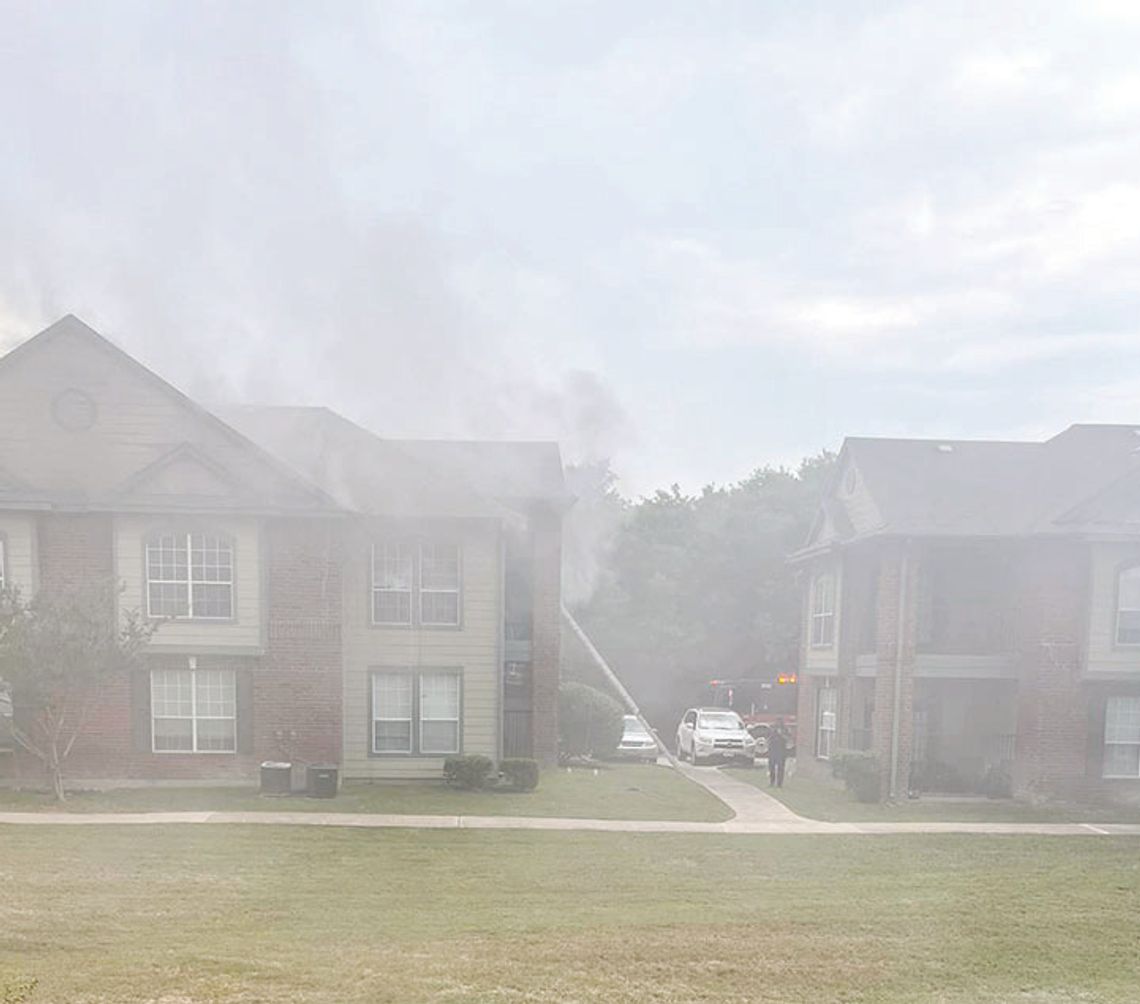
pixel 694 237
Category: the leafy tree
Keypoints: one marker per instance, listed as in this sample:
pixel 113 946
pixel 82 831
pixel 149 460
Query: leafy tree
pixel 57 653
pixel 695 586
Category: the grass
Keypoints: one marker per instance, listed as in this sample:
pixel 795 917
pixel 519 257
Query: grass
pixel 173 915
pixel 619 791
pixel 828 800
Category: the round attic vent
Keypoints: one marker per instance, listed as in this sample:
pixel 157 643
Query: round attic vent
pixel 74 410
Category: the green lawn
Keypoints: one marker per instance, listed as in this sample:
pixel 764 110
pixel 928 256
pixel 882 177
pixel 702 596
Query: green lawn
pixel 618 791
pixel 174 915
pixel 819 798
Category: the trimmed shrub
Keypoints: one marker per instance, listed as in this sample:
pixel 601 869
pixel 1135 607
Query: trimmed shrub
pixel 860 773
pixel 469 773
pixel 996 782
pixel 589 721
pixel 520 774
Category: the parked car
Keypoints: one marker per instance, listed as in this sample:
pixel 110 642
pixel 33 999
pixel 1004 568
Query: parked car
pixel 705 733
pixel 636 743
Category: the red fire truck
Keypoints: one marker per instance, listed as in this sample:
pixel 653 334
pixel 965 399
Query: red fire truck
pixel 760 702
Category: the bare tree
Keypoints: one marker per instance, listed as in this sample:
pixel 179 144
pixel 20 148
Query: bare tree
pixel 57 653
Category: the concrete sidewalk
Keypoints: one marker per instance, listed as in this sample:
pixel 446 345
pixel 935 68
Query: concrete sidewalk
pixel 796 825
pixel 755 813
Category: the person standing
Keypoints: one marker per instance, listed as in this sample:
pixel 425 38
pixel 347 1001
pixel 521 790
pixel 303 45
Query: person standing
pixel 777 755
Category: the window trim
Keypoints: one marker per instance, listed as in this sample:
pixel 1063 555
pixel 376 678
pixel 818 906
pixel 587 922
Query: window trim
pixel 375 589
pixel 827 688
pixel 417 673
pixel 827 616
pixel 194 717
pixel 188 532
pixel 458 591
pixel 1105 743
pixel 1121 570
pixel 416 542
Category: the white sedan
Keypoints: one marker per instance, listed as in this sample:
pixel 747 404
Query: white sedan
pixel 714 732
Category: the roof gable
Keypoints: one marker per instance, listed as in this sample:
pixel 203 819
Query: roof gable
pixel 79 418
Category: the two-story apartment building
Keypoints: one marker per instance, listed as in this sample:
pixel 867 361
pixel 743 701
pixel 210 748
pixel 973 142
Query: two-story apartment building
pixel 974 607
pixel 324 595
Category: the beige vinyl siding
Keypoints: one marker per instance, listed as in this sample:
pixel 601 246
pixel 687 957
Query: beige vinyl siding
pixel 18 531
pixel 135 424
pixel 472 649
pixel 1104 655
pixel 860 507
pixel 823 661
pixel 244 633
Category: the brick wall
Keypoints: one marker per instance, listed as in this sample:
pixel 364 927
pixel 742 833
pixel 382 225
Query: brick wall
pixel 546 633
pixel 890 622
pixel 298 688
pixel 1052 716
pixel 289 699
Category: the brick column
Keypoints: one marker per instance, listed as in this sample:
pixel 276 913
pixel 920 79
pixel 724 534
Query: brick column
pixel 895 625
pixel 297 693
pixel 1052 715
pixel 546 637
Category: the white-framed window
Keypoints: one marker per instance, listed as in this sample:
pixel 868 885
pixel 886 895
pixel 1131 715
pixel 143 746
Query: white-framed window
pixel 193 711
pixel 190 576
pixel 439 583
pixel 823 611
pixel 1122 737
pixel 416 583
pixel 827 714
pixel 392 577
pixel 416 711
pixel 1128 606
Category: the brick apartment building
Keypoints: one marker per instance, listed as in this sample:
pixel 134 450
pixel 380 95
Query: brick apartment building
pixel 324 595
pixel 973 608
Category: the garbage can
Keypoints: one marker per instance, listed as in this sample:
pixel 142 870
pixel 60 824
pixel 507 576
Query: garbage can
pixel 323 779
pixel 276 778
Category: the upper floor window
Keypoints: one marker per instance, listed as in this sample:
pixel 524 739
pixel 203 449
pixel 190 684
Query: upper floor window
pixel 823 611
pixel 190 576
pixel 1122 737
pixel 1128 606
pixel 416 583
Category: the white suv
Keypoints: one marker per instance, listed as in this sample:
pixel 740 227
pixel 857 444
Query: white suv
pixel 714 732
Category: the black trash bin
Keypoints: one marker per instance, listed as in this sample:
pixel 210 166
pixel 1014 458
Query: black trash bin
pixel 276 778
pixel 323 779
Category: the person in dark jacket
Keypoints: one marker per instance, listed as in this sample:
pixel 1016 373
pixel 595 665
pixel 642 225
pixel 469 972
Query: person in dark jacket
pixel 777 754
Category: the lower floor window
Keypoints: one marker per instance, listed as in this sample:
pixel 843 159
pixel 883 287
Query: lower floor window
pixel 193 710
pixel 1122 737
pixel 416 711
pixel 828 704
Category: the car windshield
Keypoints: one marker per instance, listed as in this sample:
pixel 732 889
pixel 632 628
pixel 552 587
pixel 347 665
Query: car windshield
pixel 719 722
pixel 634 728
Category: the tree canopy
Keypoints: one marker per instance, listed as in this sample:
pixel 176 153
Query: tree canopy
pixel 686 588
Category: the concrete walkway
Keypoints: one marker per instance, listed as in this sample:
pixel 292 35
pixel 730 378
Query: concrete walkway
pixel 796 825
pixel 748 803
pixel 756 813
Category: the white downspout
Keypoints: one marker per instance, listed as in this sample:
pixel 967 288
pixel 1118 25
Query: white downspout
pixel 900 648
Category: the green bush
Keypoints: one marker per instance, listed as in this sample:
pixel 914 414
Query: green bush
pixel 468 772
pixel 860 773
pixel 589 721
pixel 996 782
pixel 519 774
